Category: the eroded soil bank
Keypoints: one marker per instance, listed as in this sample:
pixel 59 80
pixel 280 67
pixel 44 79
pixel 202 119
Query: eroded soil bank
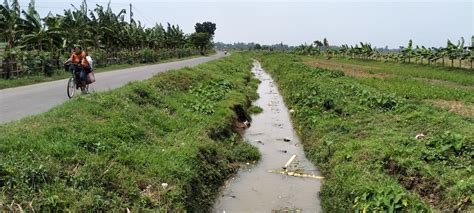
pixel 254 188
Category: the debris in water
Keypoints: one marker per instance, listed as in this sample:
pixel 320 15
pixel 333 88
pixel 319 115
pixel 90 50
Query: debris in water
pixel 286 139
pixel 419 136
pixel 284 151
pixel 248 163
pixel 255 134
pixel 259 141
pixel 295 174
pixel 289 162
pixel 286 210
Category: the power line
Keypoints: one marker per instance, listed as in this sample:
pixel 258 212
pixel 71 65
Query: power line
pixel 147 19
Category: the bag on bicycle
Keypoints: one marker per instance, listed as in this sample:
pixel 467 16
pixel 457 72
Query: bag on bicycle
pixel 90 78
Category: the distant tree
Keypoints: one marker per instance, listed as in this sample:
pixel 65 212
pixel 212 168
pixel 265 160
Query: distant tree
pixel 326 44
pixel 318 44
pixel 205 27
pixel 258 47
pixel 201 41
pixel 202 38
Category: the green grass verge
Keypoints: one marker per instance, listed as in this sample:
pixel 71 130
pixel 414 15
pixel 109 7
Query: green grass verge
pixel 61 74
pixel 362 137
pixel 165 144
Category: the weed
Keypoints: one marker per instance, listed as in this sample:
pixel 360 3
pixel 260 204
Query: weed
pixel 112 151
pixel 351 126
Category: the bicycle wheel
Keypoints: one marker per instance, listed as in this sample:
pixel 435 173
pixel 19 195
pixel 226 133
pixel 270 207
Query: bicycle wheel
pixel 71 87
pixel 86 89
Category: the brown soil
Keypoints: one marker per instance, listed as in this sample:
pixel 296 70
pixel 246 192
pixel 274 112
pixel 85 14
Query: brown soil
pixel 444 83
pixel 349 69
pixel 427 188
pixel 458 107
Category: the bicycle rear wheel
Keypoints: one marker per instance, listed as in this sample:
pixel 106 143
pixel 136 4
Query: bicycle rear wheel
pixel 86 89
pixel 71 87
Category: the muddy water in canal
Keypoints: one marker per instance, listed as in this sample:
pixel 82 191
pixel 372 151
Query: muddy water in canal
pixel 254 188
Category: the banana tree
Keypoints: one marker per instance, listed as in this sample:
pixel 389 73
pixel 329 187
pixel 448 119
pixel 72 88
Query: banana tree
pixel 427 54
pixel 10 30
pixel 462 52
pixel 10 22
pixel 343 50
pixel 452 51
pixel 37 35
pixel 471 51
pixel 407 52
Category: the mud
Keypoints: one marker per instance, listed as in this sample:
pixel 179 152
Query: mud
pixel 254 188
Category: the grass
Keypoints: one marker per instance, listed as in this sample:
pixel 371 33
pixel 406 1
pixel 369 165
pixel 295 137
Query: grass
pixel 61 74
pixel 255 110
pixel 433 84
pixel 165 144
pixel 456 75
pixel 361 134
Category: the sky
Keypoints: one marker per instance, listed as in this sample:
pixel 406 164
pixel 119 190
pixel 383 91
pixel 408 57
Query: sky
pixel 381 23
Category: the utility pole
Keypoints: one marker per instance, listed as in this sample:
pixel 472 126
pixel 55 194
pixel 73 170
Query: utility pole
pixel 131 13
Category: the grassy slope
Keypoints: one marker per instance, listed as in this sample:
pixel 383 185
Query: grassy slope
pixel 113 150
pixel 61 74
pixel 363 140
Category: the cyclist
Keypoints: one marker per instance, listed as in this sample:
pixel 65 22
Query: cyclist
pixel 82 68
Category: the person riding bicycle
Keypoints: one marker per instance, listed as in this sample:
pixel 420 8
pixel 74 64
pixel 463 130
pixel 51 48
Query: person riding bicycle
pixel 82 68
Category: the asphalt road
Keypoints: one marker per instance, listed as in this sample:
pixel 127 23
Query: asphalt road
pixel 19 102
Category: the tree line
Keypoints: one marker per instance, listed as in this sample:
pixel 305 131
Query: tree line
pixel 252 46
pixel 405 54
pixel 105 34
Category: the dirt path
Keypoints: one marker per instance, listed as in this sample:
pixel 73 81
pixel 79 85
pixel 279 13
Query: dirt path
pixel 255 189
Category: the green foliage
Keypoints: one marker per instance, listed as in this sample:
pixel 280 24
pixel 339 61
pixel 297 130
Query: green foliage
pixel 112 151
pixel 407 54
pixel 202 38
pixel 201 41
pixel 255 110
pixel 452 149
pixel 102 31
pixel 148 55
pixel 350 127
pixel 99 56
pixel 389 199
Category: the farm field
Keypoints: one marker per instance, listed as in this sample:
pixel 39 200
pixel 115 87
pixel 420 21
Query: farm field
pixel 449 88
pixel 359 122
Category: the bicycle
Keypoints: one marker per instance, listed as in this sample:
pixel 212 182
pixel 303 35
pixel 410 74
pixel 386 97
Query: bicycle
pixel 73 83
